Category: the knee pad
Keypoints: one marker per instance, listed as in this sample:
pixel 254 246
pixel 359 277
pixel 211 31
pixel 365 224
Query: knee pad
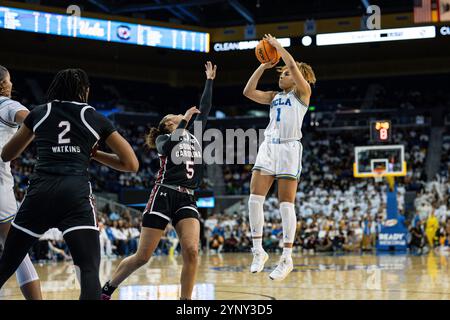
pixel 26 272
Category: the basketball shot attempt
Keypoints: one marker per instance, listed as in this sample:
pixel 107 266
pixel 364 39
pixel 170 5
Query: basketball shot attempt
pixel 280 155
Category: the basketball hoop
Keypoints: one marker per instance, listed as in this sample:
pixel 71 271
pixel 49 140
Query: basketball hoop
pixel 378 174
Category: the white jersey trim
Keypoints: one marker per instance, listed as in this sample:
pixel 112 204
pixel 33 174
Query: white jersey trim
pixel 31 233
pixel 96 135
pixel 80 228
pixel 159 215
pixel 49 109
pixel 189 208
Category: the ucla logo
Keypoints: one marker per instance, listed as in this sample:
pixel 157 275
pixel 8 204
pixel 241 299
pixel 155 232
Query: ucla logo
pixel 280 102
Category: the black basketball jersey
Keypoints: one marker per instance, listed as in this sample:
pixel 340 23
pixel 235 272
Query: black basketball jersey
pixel 65 134
pixel 181 160
pixel 181 154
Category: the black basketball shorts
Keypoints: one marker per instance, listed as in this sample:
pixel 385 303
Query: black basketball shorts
pixel 63 202
pixel 168 205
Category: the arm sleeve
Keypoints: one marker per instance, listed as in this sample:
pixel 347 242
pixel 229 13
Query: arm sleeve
pixel 205 105
pixel 100 124
pixel 165 143
pixel 162 144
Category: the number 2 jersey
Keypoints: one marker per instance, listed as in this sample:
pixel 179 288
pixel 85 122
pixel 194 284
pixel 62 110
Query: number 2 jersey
pixel 287 112
pixel 65 134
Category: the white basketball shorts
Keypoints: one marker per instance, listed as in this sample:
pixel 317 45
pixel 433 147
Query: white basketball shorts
pixel 8 204
pixel 281 160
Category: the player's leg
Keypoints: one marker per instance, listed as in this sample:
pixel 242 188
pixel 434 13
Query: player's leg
pixel 188 231
pixel 84 246
pixel 260 185
pixel 16 248
pixel 148 242
pixel 26 274
pixel 288 172
pixel 287 189
pixel 154 222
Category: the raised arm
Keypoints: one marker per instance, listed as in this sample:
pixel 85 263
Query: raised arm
pixel 165 143
pixel 302 86
pixel 250 91
pixel 206 99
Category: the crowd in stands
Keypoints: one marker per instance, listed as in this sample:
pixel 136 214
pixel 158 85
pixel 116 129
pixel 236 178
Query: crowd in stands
pixel 328 160
pixel 445 157
pixel 338 221
pixel 335 211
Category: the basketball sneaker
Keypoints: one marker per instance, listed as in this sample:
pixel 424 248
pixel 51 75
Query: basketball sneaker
pixel 107 291
pixel 105 297
pixel 285 266
pixel 259 259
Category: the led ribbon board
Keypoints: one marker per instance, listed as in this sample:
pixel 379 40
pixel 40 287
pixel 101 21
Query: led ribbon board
pixel 102 30
pixel 328 39
pixel 245 45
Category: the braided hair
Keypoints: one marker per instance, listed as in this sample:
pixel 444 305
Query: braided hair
pixel 3 74
pixel 69 85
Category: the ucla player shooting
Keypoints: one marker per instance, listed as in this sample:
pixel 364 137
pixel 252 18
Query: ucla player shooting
pixel 280 155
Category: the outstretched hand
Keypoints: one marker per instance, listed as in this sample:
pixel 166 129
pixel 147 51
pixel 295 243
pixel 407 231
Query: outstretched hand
pixel 273 41
pixel 210 70
pixel 188 115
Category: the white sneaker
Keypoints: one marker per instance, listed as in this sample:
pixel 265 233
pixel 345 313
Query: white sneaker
pixel 260 257
pixel 285 266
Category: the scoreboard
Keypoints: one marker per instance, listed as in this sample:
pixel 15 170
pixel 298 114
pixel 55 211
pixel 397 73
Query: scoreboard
pixel 381 131
pixel 102 30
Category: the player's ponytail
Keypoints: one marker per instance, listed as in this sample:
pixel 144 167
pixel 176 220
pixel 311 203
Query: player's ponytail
pixel 3 74
pixel 150 138
pixel 306 70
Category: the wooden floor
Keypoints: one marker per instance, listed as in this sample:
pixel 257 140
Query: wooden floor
pixel 226 277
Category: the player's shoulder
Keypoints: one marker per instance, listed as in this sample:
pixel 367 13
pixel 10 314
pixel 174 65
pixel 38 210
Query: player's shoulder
pixel 9 103
pixel 297 97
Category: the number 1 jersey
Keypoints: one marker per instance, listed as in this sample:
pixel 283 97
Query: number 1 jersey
pixel 287 112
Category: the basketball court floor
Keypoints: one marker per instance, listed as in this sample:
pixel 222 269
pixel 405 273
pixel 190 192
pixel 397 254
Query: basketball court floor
pixel 226 277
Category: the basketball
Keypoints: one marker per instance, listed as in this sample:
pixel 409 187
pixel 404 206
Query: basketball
pixel 265 52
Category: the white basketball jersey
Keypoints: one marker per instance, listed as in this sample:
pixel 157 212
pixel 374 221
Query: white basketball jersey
pixel 8 127
pixel 287 112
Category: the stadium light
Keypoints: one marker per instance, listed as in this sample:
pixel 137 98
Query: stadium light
pixel 306 41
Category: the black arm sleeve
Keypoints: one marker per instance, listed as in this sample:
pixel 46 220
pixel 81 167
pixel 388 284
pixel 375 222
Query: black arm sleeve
pixel 205 105
pixel 165 143
pixel 100 124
